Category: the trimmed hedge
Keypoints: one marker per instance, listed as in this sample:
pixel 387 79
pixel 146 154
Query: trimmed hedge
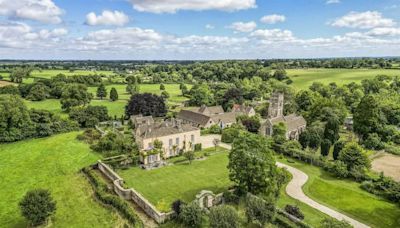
pixel 102 194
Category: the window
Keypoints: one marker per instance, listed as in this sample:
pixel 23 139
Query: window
pixel 170 142
pixel 192 138
pixel 177 141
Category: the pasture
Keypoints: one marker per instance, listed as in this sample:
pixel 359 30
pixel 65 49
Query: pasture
pixel 303 78
pixel 357 203
pixel 51 163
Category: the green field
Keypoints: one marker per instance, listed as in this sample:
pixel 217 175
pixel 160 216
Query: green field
pixel 52 163
pixel 347 197
pixel 52 73
pixel 303 78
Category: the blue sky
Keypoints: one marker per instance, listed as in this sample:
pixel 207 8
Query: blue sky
pixel 198 29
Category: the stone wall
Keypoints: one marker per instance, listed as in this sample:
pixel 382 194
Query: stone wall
pixel 132 194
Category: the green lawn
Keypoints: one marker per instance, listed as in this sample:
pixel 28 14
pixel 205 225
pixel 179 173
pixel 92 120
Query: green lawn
pixel 52 73
pixel 180 181
pixel 52 163
pixel 346 196
pixel 303 78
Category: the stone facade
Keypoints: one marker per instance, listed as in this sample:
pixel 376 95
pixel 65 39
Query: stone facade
pixel 295 124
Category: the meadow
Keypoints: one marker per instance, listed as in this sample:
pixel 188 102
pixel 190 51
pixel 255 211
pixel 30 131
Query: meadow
pixel 51 163
pixel 303 78
pixel 347 197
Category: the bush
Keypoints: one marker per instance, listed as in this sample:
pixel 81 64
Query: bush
pixel 90 135
pixel 230 197
pixel 373 142
pixel 37 205
pixel 223 216
pixel 333 223
pixel 177 206
pixel 385 187
pixel 191 215
pixel 393 149
pixel 197 147
pixel 100 192
pixel 259 210
pixel 230 133
pixel 339 169
pixel 337 148
pixel 295 211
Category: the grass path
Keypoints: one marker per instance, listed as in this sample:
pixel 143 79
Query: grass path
pixel 52 163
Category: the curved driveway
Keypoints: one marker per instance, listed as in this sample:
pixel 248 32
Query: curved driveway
pixel 295 190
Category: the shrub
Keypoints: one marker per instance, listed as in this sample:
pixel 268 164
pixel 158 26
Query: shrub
pixel 373 142
pixel 37 205
pixel 230 197
pixel 191 215
pixel 90 135
pixel 259 210
pixel 215 129
pixel 333 223
pixel 337 148
pixel 189 155
pixel 325 147
pixel 339 169
pixel 230 133
pixel 223 216
pixel 295 211
pixel 197 147
pixel 393 149
pixel 177 206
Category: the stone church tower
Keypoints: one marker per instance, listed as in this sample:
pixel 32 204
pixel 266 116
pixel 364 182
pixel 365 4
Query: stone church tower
pixel 275 109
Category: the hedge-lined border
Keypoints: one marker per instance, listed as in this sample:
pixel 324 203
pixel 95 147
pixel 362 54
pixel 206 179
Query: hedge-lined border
pixel 100 192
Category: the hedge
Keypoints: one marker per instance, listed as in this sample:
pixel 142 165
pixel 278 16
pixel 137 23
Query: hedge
pixel 100 192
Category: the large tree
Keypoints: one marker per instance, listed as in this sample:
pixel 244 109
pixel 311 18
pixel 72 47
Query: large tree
pixel 146 104
pixel 252 165
pixel 101 91
pixel 201 95
pixel 113 94
pixel 354 156
pixel 367 117
pixel 74 95
pixel 37 205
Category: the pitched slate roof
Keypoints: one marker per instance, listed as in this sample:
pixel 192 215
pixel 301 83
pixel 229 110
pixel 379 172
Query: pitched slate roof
pixel 227 118
pixel 242 108
pixel 194 117
pixel 291 121
pixel 165 128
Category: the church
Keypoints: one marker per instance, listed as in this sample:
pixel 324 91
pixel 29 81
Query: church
pixel 294 123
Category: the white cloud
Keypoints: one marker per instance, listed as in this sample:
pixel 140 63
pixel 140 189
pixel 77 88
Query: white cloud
pixel 273 19
pixel 38 10
pixel 107 18
pixel 172 6
pixel 363 20
pixel 332 1
pixel 243 26
pixel 384 32
pixel 210 26
pixel 270 35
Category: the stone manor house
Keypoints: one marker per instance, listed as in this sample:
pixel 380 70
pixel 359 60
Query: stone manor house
pixel 295 124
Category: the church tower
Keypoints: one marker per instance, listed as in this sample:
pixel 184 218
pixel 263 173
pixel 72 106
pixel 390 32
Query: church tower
pixel 275 108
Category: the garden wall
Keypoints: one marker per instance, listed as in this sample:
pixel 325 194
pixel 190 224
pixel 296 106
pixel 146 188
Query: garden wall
pixel 132 194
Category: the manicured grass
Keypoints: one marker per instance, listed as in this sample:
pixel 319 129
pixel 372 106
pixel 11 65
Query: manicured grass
pixel 52 73
pixel 52 163
pixel 303 78
pixel 52 105
pixel 180 181
pixel 347 197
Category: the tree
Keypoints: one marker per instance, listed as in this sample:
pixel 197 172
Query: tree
pixel 201 95
pixel 259 210
pixel 133 88
pixel 232 96
pixel 15 122
pixel 252 124
pixel 224 216
pixel 304 99
pixel 37 205
pixel 89 116
pixel 9 89
pixel 333 223
pixel 162 86
pixel 252 165
pixel 280 74
pixel 101 91
pixel 367 117
pixel 164 94
pixel 18 74
pixel 146 104
pixel 189 155
pixel 113 94
pixel 332 127
pixel 325 147
pixel 74 95
pixel 191 215
pixel 354 156
pixel 38 92
pixel 295 211
pixel 374 142
pixel 177 206
pixel 337 148
pixel 216 143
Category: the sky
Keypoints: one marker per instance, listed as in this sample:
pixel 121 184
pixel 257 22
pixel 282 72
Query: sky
pixel 198 29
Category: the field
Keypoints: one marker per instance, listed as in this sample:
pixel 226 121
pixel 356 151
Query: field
pixel 5 83
pixel 51 163
pixel 52 73
pixel 303 78
pixel 347 197
pixel 387 163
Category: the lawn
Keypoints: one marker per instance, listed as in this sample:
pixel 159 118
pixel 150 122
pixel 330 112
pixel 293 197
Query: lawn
pixel 51 73
pixel 52 163
pixel 347 197
pixel 303 78
pixel 180 181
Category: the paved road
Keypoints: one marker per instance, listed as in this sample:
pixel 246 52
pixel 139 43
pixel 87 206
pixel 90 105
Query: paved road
pixel 294 189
